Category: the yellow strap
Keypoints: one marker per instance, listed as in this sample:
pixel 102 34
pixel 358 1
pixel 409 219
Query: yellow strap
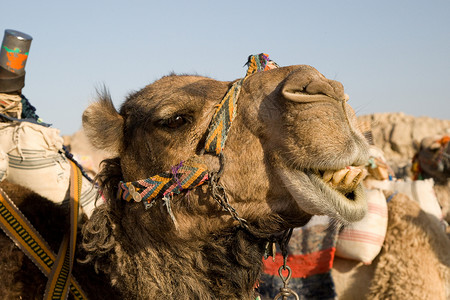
pixel 57 284
pixel 23 234
pixel 58 281
pixel 26 237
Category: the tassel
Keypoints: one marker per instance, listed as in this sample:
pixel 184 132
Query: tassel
pixel 166 200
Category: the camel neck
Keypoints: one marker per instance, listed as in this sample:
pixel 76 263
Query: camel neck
pixel 217 266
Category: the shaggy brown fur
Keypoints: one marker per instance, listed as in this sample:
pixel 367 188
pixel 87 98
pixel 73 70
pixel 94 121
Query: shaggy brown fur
pixel 225 264
pixel 415 260
pixel 19 277
pixel 292 125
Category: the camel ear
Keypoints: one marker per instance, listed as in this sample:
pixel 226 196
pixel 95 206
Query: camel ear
pixel 103 125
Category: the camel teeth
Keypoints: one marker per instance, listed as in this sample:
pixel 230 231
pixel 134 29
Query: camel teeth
pixel 361 176
pixel 327 175
pixel 338 176
pixel 351 176
pixel 346 179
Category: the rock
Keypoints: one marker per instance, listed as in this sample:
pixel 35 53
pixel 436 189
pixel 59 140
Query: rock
pixel 399 135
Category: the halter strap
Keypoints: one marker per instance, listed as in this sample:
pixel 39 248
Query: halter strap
pixel 226 109
pixel 185 176
pixel 192 173
pixel 56 267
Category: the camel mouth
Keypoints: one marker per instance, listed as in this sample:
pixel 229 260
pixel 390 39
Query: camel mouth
pixel 348 200
pixel 336 193
pixel 344 181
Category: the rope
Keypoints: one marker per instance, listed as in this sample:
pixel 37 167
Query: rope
pixel 11 105
pixel 71 158
pixel 284 241
pixel 18 106
pixel 19 111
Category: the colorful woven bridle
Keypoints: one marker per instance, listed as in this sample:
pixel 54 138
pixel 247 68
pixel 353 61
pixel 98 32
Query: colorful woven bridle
pixel 193 173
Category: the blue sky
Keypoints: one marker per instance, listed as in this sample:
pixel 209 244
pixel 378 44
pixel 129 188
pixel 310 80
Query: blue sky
pixel 391 56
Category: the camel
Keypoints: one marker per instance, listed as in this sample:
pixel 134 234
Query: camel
pixel 432 160
pixel 206 241
pixel 414 262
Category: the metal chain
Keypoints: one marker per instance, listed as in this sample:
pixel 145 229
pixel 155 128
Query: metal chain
pixel 285 291
pixel 219 194
pixel 221 197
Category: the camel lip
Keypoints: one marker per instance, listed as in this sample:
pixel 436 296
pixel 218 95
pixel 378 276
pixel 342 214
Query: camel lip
pixel 352 201
pixel 315 196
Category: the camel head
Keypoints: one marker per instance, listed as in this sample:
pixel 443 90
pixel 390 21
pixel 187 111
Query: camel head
pixel 293 150
pixel 433 158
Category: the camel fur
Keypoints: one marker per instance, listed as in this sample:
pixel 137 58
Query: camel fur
pixel 423 273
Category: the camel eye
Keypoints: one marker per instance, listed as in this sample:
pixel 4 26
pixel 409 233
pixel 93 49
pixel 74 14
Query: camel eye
pixel 174 122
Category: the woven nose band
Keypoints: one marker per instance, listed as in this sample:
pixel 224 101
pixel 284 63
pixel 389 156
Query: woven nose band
pixel 193 172
pixel 182 177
